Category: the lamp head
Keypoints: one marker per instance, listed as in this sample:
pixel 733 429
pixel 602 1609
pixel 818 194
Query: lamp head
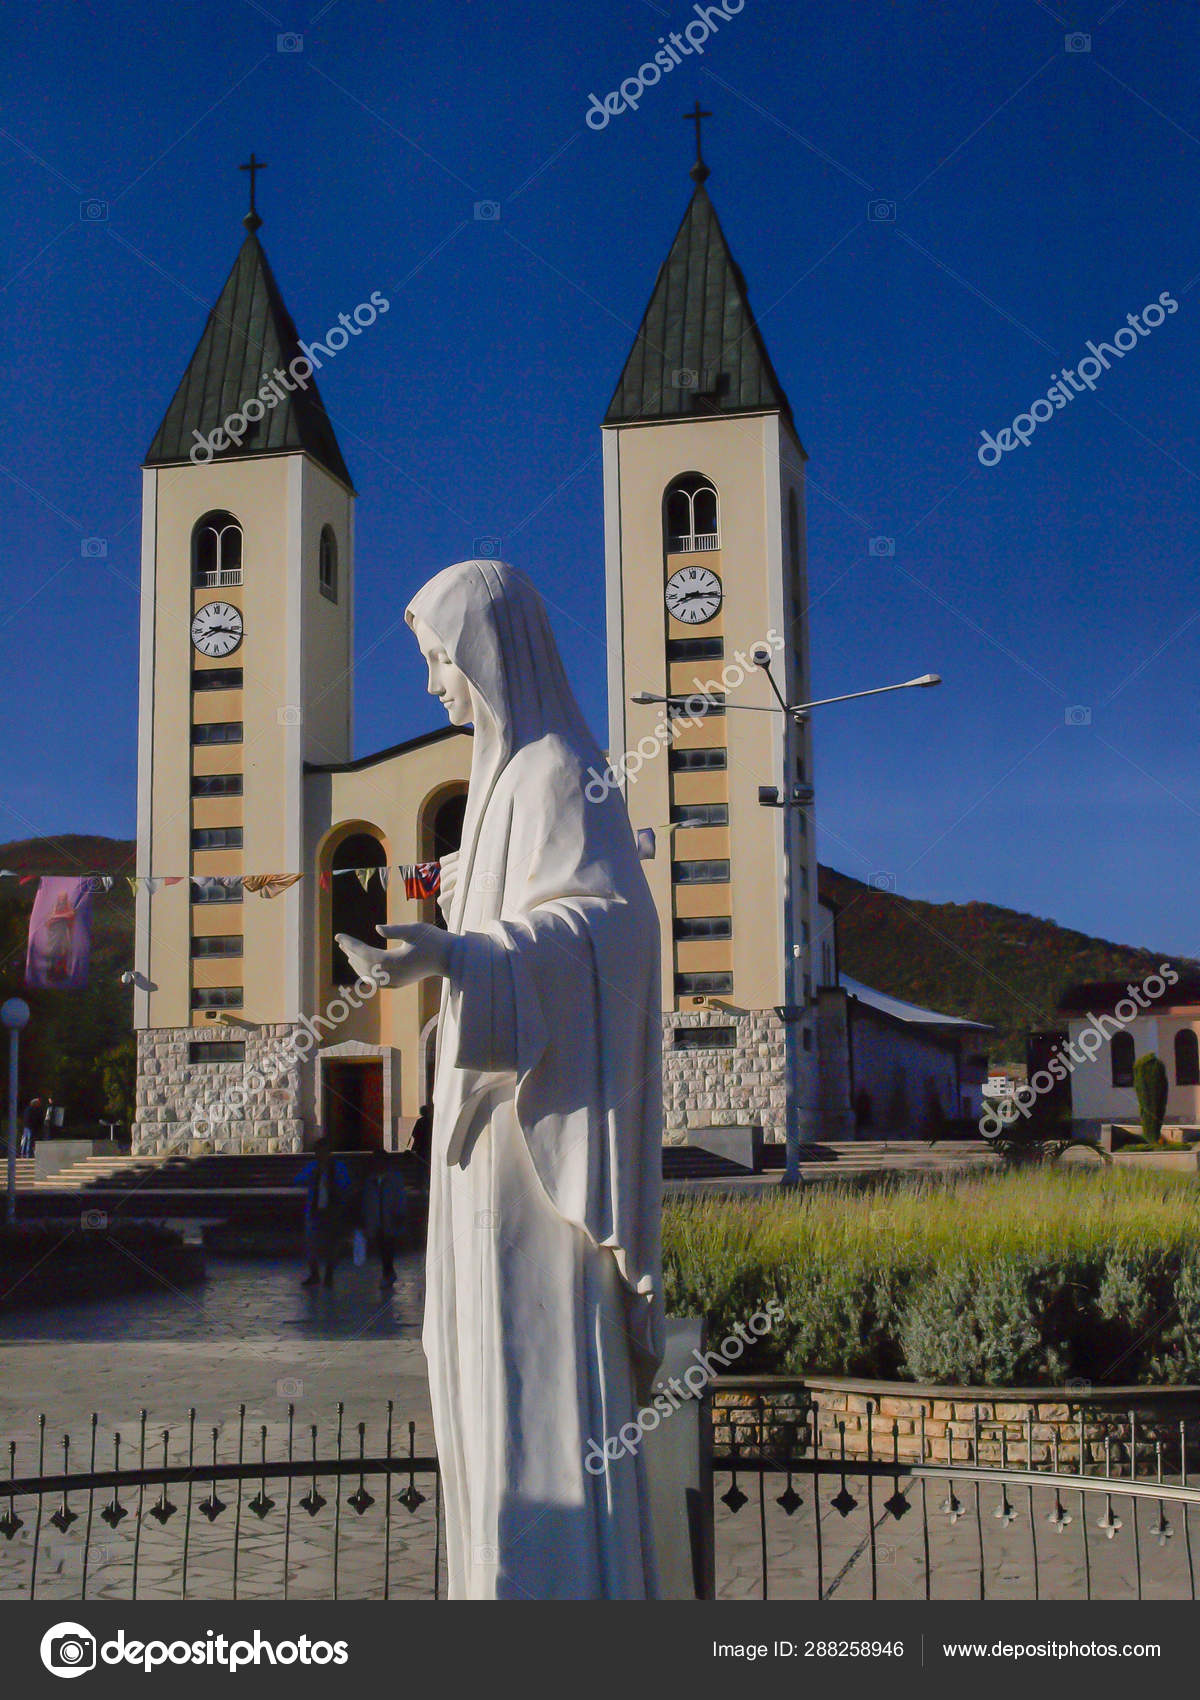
pixel 14 1013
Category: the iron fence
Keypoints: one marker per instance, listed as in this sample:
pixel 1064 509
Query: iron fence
pixel 344 1509
pixel 1013 1508
pixel 147 1519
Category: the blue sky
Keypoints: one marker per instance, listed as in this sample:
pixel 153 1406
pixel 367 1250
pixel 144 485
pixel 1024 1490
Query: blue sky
pixel 1044 189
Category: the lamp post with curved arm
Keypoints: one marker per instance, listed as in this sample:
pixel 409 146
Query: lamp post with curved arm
pixel 796 796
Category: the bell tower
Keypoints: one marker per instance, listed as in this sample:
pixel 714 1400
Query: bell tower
pixel 705 560
pixel 246 676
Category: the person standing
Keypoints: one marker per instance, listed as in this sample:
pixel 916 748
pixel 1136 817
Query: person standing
pixel 384 1213
pixel 421 1137
pixel 32 1123
pixel 328 1188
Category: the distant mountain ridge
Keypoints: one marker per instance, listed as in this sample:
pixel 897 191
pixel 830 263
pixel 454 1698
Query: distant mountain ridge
pixel 975 959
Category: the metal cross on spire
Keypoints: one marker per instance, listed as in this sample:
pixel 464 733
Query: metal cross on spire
pixel 699 171
pixel 252 220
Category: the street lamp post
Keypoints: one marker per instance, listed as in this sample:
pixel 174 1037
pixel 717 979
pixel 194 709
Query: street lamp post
pixel 794 796
pixel 14 1014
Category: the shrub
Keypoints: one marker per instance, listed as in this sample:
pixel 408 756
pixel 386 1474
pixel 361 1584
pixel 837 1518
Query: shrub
pixel 1150 1084
pixel 997 1280
pixel 992 1325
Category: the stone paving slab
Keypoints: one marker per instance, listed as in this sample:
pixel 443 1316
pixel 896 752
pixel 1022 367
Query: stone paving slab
pixel 252 1335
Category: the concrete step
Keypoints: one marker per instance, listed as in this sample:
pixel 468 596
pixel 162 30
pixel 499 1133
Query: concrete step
pixel 89 1170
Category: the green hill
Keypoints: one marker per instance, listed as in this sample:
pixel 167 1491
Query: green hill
pixel 975 959
pixel 78 1046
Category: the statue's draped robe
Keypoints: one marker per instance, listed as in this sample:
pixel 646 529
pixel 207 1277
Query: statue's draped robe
pixel 543 1298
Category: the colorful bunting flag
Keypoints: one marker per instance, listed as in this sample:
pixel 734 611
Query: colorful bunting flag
pixel 269 885
pixel 424 879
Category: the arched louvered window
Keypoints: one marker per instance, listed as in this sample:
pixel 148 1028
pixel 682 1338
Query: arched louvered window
pixel 216 550
pixel 692 515
pixel 1187 1057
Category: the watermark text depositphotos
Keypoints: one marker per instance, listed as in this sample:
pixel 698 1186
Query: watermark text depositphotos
pixel 1097 1032
pixel 677 1390
pixel 278 384
pixel 1074 380
pixel 672 50
pixel 687 709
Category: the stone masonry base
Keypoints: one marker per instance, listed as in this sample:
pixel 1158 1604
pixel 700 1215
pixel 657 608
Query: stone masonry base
pixel 731 1085
pixel 187 1106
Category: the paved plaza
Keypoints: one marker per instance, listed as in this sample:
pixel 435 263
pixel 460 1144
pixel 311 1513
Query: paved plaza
pixel 250 1334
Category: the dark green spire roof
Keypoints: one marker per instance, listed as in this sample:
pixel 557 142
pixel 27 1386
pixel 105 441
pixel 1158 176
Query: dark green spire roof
pixel 698 326
pixel 249 333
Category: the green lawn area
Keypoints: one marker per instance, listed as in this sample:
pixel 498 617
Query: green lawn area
pixel 1012 1279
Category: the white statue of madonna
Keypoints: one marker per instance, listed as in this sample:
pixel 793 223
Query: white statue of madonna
pixel 543 1313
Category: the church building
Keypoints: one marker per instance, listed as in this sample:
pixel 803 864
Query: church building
pixel 261 834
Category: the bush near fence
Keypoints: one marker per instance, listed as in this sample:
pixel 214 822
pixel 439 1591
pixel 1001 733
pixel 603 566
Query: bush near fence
pixel 52 1262
pixel 987 1281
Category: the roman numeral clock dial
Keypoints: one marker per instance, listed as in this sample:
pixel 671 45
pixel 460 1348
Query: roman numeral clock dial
pixel 217 629
pixel 693 595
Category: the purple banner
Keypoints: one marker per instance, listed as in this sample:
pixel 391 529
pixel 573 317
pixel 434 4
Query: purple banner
pixel 60 934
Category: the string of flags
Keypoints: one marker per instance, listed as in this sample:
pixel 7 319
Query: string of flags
pixel 420 879
pixel 58 952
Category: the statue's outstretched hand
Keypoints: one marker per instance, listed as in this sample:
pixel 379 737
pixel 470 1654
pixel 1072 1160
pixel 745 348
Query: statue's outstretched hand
pixel 418 951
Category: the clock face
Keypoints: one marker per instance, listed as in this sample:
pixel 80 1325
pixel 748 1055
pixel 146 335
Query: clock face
pixel 693 595
pixel 217 628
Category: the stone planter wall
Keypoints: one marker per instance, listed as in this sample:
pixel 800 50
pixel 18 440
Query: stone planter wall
pixel 192 1109
pixel 937 1425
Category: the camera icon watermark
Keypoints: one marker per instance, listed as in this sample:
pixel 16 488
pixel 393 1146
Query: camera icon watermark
pixel 94 1221
pixel 68 1649
pixel 289 43
pixel 881 547
pixel 486 548
pixel 92 211
pixel 685 378
pixel 289 1387
pixel 1077 43
pixel 93 548
pixel 487 212
pixel 881 212
pixel 289 715
pixel 487 1220
pixel 882 881
pixel 1078 714
pixel 486 1555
